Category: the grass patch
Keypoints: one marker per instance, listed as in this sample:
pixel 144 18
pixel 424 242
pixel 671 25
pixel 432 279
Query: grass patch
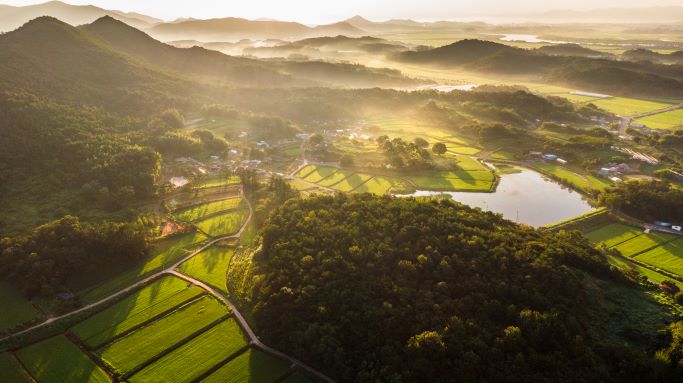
pixel 57 360
pixel 224 224
pixel 116 277
pixel 11 371
pixel 667 257
pixel 142 345
pixel 337 177
pixel 15 308
pixel 299 184
pixel 148 302
pixel 200 211
pixel 629 106
pixel 305 171
pixel 470 164
pixel 210 266
pixel 218 182
pixel 672 120
pixel 194 358
pixel 251 366
pixel 466 150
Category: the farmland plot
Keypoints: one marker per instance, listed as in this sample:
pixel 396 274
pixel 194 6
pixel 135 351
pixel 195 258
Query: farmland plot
pixel 251 366
pixel 196 357
pixel 11 371
pixel 139 307
pixel 142 345
pixel 16 309
pixel 224 224
pixel 642 243
pixel 210 266
pixel 57 360
pixel 613 234
pixel 200 211
pixel 667 257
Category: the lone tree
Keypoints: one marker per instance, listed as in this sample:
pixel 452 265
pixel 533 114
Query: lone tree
pixel 439 148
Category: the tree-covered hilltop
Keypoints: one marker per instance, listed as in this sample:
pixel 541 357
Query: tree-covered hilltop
pixel 647 200
pixel 380 289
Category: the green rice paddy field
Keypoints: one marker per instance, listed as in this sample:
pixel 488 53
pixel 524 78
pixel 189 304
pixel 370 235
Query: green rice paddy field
pixel 669 120
pixel 57 360
pixel 195 357
pixel 146 304
pixel 250 366
pixel 131 351
pixel 210 266
pixel 454 180
pixel 581 181
pixel 218 181
pixel 224 224
pixel 11 371
pixel 659 250
pixel 16 309
pixel 200 211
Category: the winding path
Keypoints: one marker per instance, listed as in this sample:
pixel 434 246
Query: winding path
pixel 173 270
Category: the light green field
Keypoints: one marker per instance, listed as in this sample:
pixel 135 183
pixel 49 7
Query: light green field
pixel 139 307
pixel 642 243
pixel 337 177
pixel 466 150
pixel 576 98
pixel 57 360
pixel 650 274
pixel 667 257
pixel 319 173
pixel 298 377
pixel 629 106
pixel 164 253
pixel 196 357
pixel 305 171
pixel 15 308
pixel 454 180
pixel 224 224
pixel 351 182
pixel 613 234
pixel 210 266
pixel 583 182
pixel 251 366
pixel 216 182
pixel 200 211
pixel 467 163
pixel 11 371
pixel 299 184
pixel 409 129
pixel 376 185
pixel 669 120
pixel 142 345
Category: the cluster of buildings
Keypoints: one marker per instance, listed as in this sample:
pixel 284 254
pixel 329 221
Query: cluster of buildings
pixel 549 157
pixel 613 171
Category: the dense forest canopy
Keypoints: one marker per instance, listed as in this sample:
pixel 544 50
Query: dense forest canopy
pixel 400 290
pixel 647 200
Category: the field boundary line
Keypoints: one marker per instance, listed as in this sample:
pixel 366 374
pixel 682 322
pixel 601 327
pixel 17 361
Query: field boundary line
pixel 622 242
pixel 70 337
pixel 175 346
pixel 164 314
pixel 220 364
pixel 22 369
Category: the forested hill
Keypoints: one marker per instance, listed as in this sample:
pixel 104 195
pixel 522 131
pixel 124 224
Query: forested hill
pixel 598 74
pixel 50 58
pixel 377 289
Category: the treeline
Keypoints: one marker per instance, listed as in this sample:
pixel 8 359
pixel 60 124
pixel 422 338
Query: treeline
pixel 647 200
pixel 376 289
pixel 42 262
pixel 403 155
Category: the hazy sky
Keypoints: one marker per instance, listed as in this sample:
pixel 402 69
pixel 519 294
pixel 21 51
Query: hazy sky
pixel 318 11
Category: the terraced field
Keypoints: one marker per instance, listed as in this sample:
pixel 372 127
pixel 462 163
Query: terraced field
pixel 583 182
pixel 335 178
pixel 642 243
pixel 57 360
pixel 151 301
pixel 351 182
pixel 200 211
pixel 319 173
pixel 667 257
pixel 455 180
pixel 210 266
pixel 613 234
pixel 250 366
pixel 217 182
pixel 224 224
pixel 10 371
pixel 376 185
pixel 669 120
pixel 195 357
pixel 131 351
pixel 16 309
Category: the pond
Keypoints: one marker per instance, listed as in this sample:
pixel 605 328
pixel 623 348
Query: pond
pixel 525 197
